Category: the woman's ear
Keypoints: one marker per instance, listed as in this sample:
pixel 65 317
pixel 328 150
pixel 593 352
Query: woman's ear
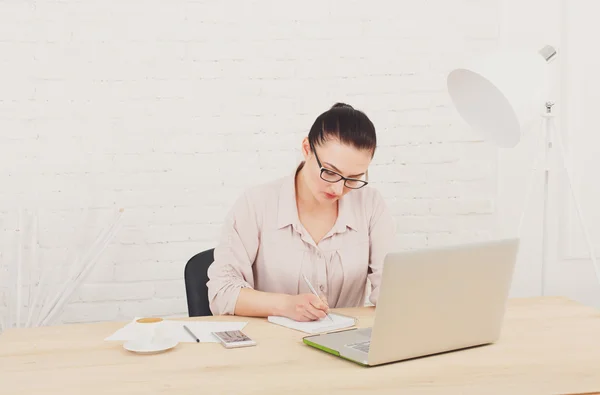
pixel 305 148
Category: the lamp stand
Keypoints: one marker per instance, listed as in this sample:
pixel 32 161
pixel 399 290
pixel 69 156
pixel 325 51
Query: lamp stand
pixel 551 135
pixel 548 120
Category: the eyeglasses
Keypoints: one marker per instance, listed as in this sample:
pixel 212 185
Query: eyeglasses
pixel 333 177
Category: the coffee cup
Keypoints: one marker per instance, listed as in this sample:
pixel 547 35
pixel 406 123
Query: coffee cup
pixel 149 330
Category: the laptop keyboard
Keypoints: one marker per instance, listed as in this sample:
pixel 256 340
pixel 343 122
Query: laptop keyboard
pixel 361 346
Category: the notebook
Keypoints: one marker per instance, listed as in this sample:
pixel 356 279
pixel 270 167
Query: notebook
pixel 313 327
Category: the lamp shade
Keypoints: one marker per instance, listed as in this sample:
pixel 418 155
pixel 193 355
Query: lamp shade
pixel 501 93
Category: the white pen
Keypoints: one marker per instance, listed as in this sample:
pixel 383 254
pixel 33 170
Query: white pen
pixel 314 292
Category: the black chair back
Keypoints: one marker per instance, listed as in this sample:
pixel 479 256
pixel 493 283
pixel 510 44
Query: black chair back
pixel 196 277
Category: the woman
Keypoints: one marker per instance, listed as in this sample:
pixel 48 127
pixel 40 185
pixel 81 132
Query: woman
pixel 320 222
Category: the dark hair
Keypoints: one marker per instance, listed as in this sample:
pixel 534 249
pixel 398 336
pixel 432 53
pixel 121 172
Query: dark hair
pixel 348 125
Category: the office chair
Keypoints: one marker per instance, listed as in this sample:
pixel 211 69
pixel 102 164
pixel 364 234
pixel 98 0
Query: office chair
pixel 196 277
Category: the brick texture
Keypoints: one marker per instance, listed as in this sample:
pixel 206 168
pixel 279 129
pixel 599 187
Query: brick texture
pixel 170 109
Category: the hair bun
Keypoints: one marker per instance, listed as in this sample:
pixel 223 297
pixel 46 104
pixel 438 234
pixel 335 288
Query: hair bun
pixel 342 105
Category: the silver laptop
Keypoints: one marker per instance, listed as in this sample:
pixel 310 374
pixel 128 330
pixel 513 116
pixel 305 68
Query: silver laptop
pixel 432 301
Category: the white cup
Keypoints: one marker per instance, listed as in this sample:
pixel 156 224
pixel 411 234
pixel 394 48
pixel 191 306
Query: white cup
pixel 149 330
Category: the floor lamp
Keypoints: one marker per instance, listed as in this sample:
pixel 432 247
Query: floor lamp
pixel 501 96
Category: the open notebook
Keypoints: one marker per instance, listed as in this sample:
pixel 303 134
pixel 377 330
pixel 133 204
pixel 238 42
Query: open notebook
pixel 312 327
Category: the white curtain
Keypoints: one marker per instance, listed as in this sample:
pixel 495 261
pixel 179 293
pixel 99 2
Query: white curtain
pixel 34 289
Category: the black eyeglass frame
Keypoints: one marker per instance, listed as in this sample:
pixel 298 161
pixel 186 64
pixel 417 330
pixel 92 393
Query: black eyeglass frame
pixel 362 183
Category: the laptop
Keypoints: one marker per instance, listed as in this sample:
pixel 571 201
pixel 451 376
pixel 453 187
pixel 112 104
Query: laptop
pixel 432 301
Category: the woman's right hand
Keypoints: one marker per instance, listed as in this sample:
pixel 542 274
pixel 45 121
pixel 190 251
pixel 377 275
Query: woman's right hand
pixel 305 307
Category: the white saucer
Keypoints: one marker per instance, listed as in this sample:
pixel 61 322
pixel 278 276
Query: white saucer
pixel 143 347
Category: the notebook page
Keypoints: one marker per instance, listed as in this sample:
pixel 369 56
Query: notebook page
pixel 323 325
pixel 174 329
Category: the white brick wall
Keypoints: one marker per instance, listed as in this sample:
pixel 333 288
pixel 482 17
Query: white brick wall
pixel 170 109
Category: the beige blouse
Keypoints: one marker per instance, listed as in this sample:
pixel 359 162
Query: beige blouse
pixel 264 246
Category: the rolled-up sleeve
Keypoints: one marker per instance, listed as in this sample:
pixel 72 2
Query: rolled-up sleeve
pixel 234 257
pixel 382 230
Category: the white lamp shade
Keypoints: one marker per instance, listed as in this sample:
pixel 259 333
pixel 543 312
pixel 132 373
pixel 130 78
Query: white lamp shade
pixel 500 94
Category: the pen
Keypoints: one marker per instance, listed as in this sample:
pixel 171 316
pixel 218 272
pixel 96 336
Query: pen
pixel 314 292
pixel 192 334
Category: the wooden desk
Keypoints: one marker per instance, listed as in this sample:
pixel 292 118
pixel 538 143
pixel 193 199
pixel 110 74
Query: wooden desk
pixel 549 346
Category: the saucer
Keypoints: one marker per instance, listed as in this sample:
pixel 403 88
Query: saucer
pixel 144 347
